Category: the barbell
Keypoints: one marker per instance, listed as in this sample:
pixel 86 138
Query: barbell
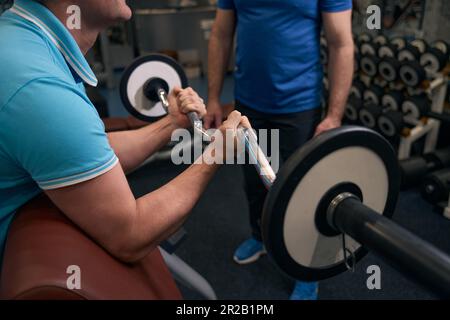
pixel 330 202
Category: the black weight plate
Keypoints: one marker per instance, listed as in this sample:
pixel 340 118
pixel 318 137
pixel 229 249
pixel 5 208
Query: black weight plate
pixel 350 155
pixel 358 88
pixel 412 73
pixel 369 64
pixel 408 53
pixel 136 76
pixel 369 114
pixel 388 68
pixel 373 94
pixel 390 124
pixel 354 104
pixel 417 106
pixel 393 100
pixel 433 60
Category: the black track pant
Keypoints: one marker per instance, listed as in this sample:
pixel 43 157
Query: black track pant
pixel 294 130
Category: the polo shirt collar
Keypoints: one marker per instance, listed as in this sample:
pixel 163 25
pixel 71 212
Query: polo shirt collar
pixel 58 34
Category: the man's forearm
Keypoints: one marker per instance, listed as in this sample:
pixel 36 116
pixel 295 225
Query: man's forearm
pixel 135 146
pixel 162 212
pixel 340 75
pixel 219 55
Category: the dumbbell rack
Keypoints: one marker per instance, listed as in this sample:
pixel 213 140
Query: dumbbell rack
pixel 437 90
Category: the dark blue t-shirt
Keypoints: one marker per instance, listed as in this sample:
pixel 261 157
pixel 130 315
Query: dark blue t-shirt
pixel 278 67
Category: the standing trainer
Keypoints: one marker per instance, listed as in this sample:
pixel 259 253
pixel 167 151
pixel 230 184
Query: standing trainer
pixel 278 82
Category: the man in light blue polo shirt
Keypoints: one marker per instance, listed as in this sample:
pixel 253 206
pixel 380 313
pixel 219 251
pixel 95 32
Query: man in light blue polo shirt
pixel 52 139
pixel 278 81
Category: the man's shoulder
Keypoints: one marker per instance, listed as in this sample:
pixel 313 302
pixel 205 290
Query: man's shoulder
pixel 24 56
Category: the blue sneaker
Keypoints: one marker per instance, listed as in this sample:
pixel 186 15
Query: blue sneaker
pixel 249 251
pixel 305 291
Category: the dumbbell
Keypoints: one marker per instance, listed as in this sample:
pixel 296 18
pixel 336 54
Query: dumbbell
pixel 354 105
pixel 369 48
pixel 380 40
pixel 364 37
pixel 373 95
pixel 412 51
pixel 389 68
pixel 391 48
pixel 436 186
pixel 435 58
pixel 369 65
pixel 412 73
pixel 393 100
pixel 369 114
pixel 391 124
pixel 414 169
pixel 145 86
pixel 356 63
pixel 416 107
pixel 358 88
pixel 323 51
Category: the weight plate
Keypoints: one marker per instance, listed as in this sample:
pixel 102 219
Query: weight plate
pixel 358 88
pixel 393 100
pixel 369 65
pixel 138 74
pixel 364 37
pixel 399 42
pixel 442 46
pixel 388 69
pixel 416 106
pixel 354 104
pixel 387 50
pixel 369 115
pixel 373 95
pixel 433 60
pixel 380 40
pixel 408 53
pixel 420 44
pixel 348 156
pixel 391 123
pixel 369 49
pixel 323 55
pixel 412 73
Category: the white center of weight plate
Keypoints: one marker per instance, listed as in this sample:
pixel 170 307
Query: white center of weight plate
pixel 138 79
pixel 358 165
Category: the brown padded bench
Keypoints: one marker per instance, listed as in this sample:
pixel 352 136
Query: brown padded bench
pixel 42 243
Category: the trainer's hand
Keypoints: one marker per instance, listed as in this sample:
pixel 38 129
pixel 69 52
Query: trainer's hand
pixel 214 115
pixel 183 101
pixel 327 124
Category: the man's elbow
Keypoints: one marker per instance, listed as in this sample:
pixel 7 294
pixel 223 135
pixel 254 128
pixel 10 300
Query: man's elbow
pixel 129 252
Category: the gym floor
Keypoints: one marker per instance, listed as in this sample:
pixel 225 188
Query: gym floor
pixel 219 223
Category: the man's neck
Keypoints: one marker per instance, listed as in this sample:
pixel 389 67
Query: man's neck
pixel 85 36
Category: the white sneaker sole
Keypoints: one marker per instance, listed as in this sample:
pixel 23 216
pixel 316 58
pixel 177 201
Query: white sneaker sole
pixel 251 259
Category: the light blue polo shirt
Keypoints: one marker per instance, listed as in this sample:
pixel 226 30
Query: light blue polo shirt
pixel 51 136
pixel 278 68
